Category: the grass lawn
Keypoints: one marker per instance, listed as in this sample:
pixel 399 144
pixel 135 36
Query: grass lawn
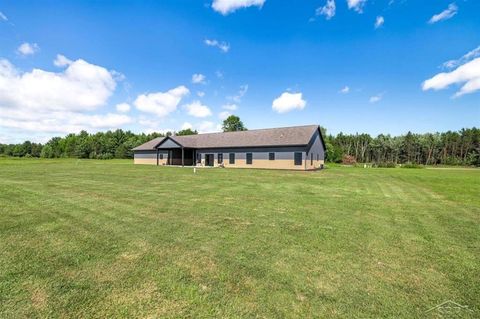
pixel 86 238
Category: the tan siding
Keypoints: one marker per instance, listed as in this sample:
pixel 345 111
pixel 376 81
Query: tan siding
pixel 257 163
pixel 151 161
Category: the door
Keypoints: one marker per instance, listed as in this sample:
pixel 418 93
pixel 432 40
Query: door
pixel 209 159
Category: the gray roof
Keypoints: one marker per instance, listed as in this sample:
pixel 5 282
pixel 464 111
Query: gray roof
pixel 150 145
pixel 284 136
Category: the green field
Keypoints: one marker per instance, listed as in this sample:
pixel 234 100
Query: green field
pixel 86 238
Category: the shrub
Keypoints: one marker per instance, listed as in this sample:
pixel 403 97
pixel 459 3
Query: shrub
pixel 386 165
pixel 104 156
pixel 348 160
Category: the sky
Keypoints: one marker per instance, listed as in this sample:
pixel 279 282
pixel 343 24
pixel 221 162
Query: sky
pixel 366 66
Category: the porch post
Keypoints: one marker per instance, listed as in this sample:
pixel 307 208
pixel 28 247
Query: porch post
pixel 157 156
pixel 182 156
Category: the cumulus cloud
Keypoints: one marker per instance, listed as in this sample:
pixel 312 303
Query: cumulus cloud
pixel 61 61
pixel 288 102
pixel 224 115
pixel 328 10
pixel 61 122
pixel 208 127
pixel 80 87
pixel 200 94
pixel 379 21
pixel 356 5
pixel 345 89
pixel 198 78
pixel 376 98
pixel 445 14
pixel 223 46
pixel 28 49
pixel 3 17
pixel 197 109
pixel 161 103
pixel 57 102
pixel 228 6
pixel 186 126
pixel 468 74
pixel 230 107
pixel 465 58
pixel 123 107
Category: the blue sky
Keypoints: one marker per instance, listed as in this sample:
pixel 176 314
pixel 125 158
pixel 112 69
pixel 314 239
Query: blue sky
pixel 67 65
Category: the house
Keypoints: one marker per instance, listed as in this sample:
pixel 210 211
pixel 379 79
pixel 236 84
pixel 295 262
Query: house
pixel 298 147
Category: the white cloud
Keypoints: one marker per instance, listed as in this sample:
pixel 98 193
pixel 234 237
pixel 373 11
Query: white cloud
pixel 28 49
pixel 223 115
pixel 3 17
pixel 228 6
pixel 198 78
pixel 201 94
pixel 60 121
pixel 356 5
pixel 465 58
pixel 445 14
pixel 230 107
pixel 208 127
pixel 161 103
pixel 186 126
pixel 80 87
pixel 237 98
pixel 197 109
pixel 61 61
pixel 219 74
pixel 468 73
pixel 328 10
pixel 56 102
pixel 288 102
pixel 376 98
pixel 223 46
pixel 379 22
pixel 345 89
pixel 123 107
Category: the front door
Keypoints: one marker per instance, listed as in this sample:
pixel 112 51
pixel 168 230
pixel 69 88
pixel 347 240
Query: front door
pixel 209 159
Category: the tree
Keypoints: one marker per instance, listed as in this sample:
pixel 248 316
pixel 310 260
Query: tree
pixel 187 131
pixel 232 124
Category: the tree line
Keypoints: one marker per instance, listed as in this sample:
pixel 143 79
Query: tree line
pixel 448 148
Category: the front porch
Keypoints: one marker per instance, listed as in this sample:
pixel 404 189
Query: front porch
pixel 180 156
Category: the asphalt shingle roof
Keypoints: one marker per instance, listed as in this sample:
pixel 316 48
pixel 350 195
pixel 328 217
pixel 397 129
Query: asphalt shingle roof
pixel 284 136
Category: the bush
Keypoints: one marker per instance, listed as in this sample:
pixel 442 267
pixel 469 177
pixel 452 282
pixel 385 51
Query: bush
pixel 412 165
pixel 104 156
pixel 348 160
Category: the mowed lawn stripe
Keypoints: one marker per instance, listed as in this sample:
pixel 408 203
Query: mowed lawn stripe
pixel 107 238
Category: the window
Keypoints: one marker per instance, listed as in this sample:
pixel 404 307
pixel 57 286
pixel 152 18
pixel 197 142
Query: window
pixel 311 158
pixel 161 156
pixel 231 158
pixel 220 158
pixel 199 157
pixel 271 156
pixel 298 158
pixel 249 158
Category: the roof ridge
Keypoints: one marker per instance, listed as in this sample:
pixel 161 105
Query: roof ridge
pixel 254 130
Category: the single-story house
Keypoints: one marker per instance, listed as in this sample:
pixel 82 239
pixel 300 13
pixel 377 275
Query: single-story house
pixel 298 147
